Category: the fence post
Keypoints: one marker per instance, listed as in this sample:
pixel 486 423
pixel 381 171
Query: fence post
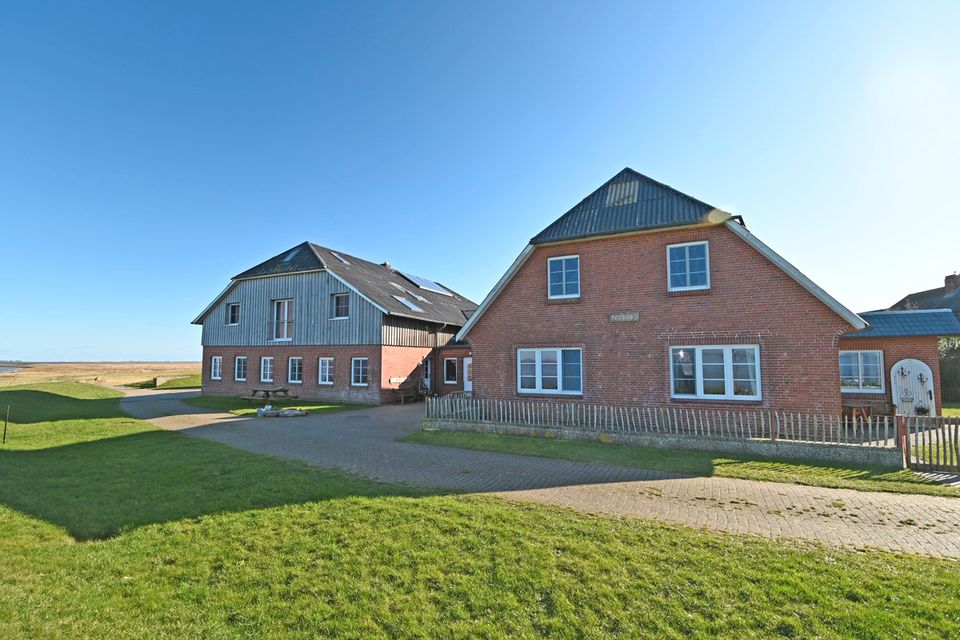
pixel 903 440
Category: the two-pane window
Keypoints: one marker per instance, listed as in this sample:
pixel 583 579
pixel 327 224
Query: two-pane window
pixel 283 319
pixel 688 266
pixel 359 372
pixel 450 371
pixel 295 370
pixel 325 369
pixel 341 305
pixel 233 313
pixel 555 371
pixel 240 368
pixel 266 369
pixel 715 372
pixel 861 371
pixel 216 368
pixel 563 277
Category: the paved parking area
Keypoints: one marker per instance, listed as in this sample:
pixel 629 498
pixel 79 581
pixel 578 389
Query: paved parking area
pixel 363 442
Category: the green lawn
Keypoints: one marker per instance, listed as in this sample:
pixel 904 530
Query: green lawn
pixel 951 409
pixel 110 528
pixel 249 406
pixel 699 463
pixel 184 382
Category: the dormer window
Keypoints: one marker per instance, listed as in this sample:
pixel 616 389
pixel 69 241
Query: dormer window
pixel 688 266
pixel 563 277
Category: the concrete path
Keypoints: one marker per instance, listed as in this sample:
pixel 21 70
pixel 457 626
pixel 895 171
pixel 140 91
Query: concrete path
pixel 363 442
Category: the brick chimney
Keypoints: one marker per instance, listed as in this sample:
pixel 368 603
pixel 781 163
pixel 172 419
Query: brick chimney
pixel 951 283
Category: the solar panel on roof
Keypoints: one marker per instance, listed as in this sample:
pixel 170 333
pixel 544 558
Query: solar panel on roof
pixel 427 285
pixel 408 304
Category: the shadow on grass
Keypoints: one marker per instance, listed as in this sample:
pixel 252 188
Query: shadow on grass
pixel 96 490
pixel 30 405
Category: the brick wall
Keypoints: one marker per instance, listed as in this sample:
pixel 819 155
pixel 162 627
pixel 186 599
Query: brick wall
pixel 458 352
pixel 923 348
pixel 400 362
pixel 340 391
pixel 751 301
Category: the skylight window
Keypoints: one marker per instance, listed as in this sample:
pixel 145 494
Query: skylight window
pixel 622 193
pixel 292 255
pixel 426 285
pixel 408 304
pixel 339 257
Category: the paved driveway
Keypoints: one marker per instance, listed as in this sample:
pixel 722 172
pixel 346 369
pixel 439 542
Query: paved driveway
pixel 363 442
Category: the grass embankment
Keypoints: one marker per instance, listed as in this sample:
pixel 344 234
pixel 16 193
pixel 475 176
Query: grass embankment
pixel 700 463
pixel 185 382
pixel 189 538
pixel 951 409
pixel 249 406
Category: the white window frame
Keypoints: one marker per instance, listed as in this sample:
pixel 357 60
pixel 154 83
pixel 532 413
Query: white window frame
pixel 231 305
pixel 861 389
pixel 263 361
pixel 320 370
pixel 216 367
pixel 353 372
pixel 286 319
pixel 236 361
pixel 290 379
pixel 565 296
pixel 336 296
pixel 703 287
pixel 559 391
pixel 456 371
pixel 727 372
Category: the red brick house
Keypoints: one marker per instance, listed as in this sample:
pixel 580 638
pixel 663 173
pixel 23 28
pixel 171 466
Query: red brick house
pixel 642 295
pixel 330 326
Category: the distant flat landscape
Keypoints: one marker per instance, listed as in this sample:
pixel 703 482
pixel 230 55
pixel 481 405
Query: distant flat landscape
pixel 105 373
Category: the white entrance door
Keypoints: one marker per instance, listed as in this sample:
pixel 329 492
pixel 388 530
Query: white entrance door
pixel 468 375
pixel 427 371
pixel 911 384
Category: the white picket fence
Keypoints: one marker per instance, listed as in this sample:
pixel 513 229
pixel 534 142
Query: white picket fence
pixel 731 425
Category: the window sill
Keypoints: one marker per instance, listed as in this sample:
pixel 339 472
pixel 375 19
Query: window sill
pixel 292 382
pixel 450 383
pixel 563 300
pixel 216 379
pixel 282 340
pixel 550 394
pixel 738 400
pixel 354 384
pixel 325 384
pixel 679 293
pixel 857 392
pixel 232 324
pixel 239 379
pixel 341 318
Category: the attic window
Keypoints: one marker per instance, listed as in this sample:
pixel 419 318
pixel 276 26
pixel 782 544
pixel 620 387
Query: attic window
pixel 292 255
pixel 408 304
pixel 622 193
pixel 339 257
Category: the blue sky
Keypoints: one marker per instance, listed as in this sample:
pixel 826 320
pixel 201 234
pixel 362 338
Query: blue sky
pixel 150 151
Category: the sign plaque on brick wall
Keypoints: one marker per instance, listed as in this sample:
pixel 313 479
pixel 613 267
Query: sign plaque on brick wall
pixel 625 316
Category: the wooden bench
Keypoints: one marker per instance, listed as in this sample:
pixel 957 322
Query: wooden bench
pixel 266 394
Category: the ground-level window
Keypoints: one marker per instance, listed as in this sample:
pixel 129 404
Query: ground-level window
pixel 450 371
pixel 688 266
pixel 295 370
pixel 556 371
pixel 723 372
pixel 216 367
pixel 240 369
pixel 563 277
pixel 861 371
pixel 325 369
pixel 233 313
pixel 266 369
pixel 359 372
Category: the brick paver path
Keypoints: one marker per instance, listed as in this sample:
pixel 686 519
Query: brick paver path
pixel 363 442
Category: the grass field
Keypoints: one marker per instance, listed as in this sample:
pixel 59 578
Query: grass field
pixel 951 409
pixel 192 381
pixel 107 373
pixel 249 406
pixel 110 528
pixel 699 463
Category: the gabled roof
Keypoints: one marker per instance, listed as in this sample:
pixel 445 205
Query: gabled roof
pixel 892 324
pixel 379 284
pixel 629 201
pixel 938 298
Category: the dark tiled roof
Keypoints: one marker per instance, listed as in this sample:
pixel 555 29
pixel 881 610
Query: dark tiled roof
pixel 931 299
pixel 629 201
pixel 891 324
pixel 379 283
